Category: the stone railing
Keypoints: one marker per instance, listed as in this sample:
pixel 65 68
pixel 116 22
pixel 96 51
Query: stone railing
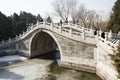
pixel 108 42
pixel 9 40
pixel 71 31
pixel 108 45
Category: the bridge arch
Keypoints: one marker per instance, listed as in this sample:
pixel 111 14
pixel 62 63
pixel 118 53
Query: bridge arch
pixel 43 42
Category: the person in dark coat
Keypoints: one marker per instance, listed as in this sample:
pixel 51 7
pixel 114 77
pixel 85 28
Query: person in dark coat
pixel 60 22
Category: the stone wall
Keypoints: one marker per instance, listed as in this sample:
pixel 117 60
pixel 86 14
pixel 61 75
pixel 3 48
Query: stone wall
pixel 88 65
pixel 104 67
pixel 76 49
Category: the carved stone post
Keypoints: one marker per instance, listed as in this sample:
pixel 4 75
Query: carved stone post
pixel 83 33
pixel 3 41
pixel 51 24
pixel 9 39
pixel 110 34
pixel 100 32
pixel 91 31
pixel 37 23
pixel 106 39
pixel 60 28
pixel 97 33
pixel 16 37
pixel 97 36
pixel 71 32
pixel 68 23
pixel 44 23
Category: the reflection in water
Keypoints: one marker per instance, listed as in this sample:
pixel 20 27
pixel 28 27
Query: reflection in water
pixel 57 56
pixel 60 73
pixel 57 72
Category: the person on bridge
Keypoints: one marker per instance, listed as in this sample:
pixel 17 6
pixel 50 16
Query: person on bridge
pixel 60 22
pixel 103 34
pixel 73 21
pixel 66 21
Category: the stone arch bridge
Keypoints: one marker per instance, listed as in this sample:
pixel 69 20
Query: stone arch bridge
pixel 77 47
pixel 45 37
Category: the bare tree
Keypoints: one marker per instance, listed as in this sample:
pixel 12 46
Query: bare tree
pixel 96 20
pixel 82 15
pixel 49 19
pixel 64 8
pixel 73 10
pixel 91 18
pixel 100 21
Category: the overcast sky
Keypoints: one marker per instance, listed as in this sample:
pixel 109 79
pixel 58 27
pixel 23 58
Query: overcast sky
pixel 44 7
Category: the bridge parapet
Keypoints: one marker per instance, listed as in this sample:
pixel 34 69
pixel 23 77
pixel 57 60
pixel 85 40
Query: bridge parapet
pixel 105 46
pixel 71 31
pixel 108 44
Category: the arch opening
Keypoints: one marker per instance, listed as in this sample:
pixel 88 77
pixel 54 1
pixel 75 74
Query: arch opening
pixel 44 46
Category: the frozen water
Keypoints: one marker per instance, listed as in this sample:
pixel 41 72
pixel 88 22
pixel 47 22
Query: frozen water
pixel 11 58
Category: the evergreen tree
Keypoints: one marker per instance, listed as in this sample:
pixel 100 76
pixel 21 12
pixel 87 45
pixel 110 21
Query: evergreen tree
pixel 4 27
pixel 49 19
pixel 16 24
pixel 114 22
pixel 25 20
pixel 39 18
pixel 116 58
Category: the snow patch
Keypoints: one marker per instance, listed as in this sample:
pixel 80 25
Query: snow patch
pixel 12 58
